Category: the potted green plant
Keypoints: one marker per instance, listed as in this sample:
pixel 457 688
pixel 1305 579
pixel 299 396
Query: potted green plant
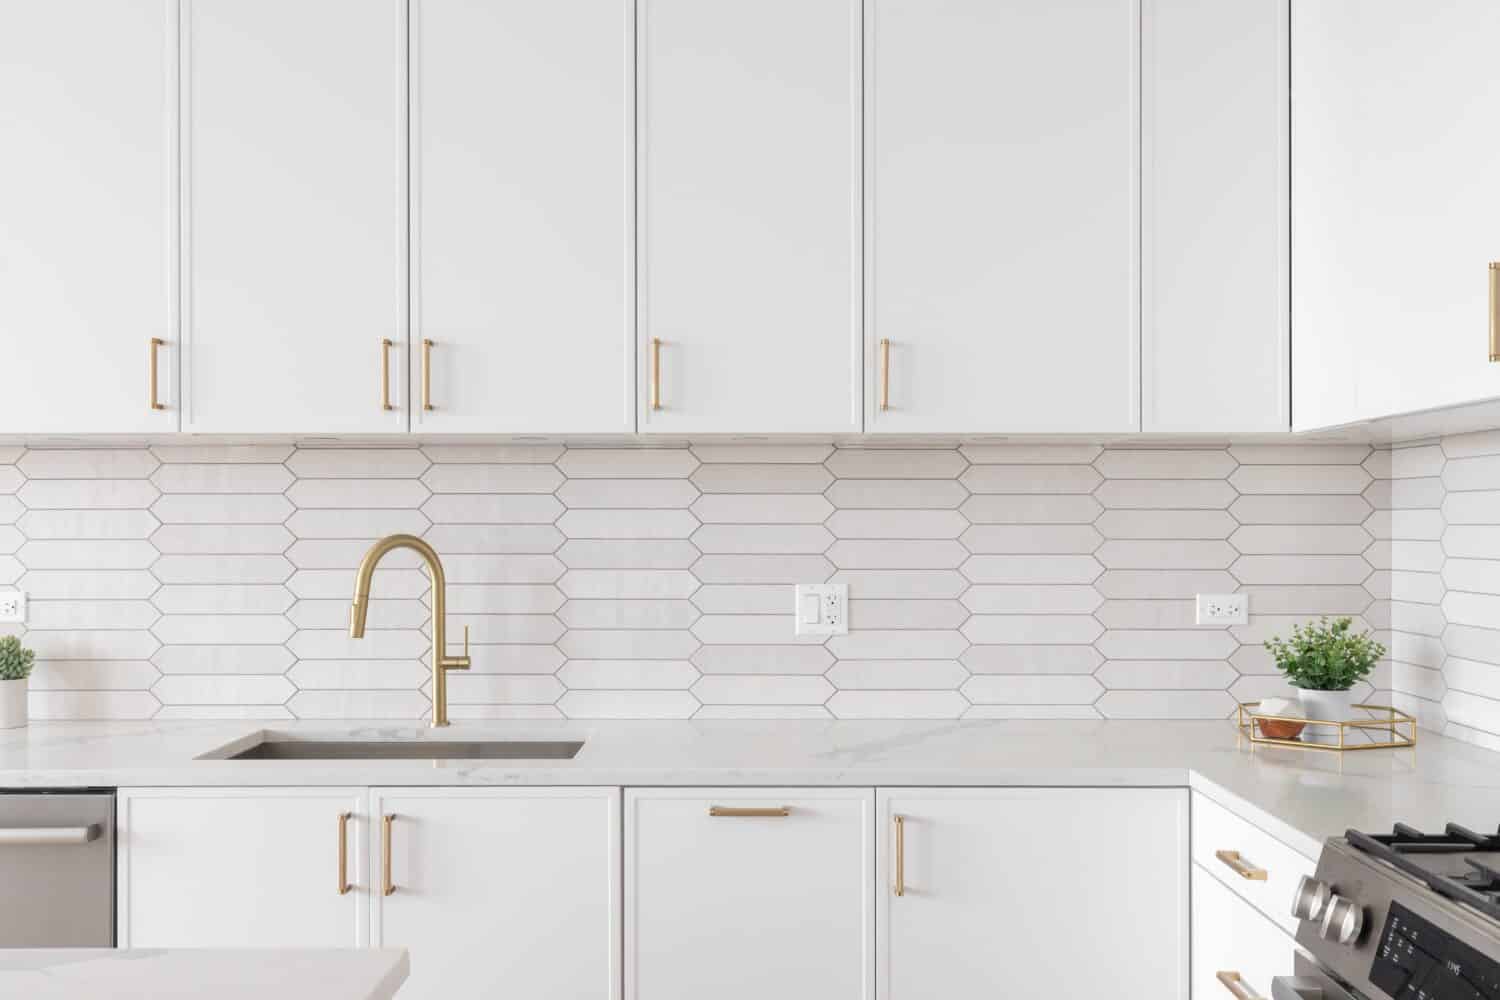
pixel 15 667
pixel 1323 660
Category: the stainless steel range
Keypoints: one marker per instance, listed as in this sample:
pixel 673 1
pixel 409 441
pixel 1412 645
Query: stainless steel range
pixel 1403 915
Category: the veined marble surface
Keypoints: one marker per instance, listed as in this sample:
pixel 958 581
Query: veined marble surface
pixel 1302 796
pixel 194 973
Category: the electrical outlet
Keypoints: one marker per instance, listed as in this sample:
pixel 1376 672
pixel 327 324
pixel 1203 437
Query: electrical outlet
pixel 1223 609
pixel 12 606
pixel 822 609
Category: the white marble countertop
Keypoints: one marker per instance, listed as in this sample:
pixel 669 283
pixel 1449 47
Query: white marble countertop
pixel 193 973
pixel 1299 795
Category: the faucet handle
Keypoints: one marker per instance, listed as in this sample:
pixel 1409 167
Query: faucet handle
pixel 466 643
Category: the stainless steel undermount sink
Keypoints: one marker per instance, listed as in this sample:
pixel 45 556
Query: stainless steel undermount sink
pixel 268 747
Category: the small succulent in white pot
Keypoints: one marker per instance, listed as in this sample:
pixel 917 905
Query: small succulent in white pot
pixel 15 668
pixel 1323 660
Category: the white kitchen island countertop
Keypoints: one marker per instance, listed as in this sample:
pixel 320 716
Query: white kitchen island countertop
pixel 1301 796
pixel 195 973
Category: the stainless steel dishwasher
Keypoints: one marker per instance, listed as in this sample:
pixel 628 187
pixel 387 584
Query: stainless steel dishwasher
pixel 57 864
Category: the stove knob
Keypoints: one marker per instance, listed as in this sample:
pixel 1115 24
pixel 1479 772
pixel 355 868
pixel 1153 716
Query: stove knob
pixel 1310 899
pixel 1343 919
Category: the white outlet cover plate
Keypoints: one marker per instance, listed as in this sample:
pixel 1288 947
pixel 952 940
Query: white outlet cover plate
pixel 821 609
pixel 1223 609
pixel 12 606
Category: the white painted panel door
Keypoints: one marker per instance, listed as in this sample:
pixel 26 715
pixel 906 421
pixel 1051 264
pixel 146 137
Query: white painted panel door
pixel 1232 938
pixel 1215 337
pixel 1070 894
pixel 522 166
pixel 88 251
pixel 741 907
pixel 1002 214
pixel 241 868
pixel 749 232
pixel 501 892
pixel 294 215
pixel 1396 209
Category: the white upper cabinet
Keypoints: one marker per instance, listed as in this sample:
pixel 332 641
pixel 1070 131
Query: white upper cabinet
pixel 1215 337
pixel 1001 212
pixel 87 214
pixel 522 167
pixel 1396 209
pixel 748 156
pixel 294 215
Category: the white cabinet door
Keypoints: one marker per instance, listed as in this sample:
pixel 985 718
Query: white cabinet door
pixel 749 232
pixel 1071 894
pixel 725 903
pixel 1215 340
pixel 1396 214
pixel 1232 939
pixel 1002 214
pixel 88 251
pixel 294 215
pixel 500 892
pixel 522 165
pixel 242 868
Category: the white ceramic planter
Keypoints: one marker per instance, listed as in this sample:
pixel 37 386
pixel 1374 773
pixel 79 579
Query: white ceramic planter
pixel 12 704
pixel 1332 706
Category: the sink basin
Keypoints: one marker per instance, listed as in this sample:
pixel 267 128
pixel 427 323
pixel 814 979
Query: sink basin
pixel 398 749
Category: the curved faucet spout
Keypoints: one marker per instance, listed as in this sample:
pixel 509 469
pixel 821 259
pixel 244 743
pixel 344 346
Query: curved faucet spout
pixel 360 610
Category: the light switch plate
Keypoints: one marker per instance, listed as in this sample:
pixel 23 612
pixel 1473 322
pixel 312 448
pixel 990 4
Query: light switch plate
pixel 12 606
pixel 822 609
pixel 1223 609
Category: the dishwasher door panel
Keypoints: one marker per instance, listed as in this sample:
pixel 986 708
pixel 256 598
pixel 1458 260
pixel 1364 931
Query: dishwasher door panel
pixel 57 854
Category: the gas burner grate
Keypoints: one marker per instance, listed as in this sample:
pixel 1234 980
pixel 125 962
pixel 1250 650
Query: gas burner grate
pixel 1479 888
pixel 1454 839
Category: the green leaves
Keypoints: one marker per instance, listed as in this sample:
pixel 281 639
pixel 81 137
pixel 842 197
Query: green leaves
pixel 1324 656
pixel 15 659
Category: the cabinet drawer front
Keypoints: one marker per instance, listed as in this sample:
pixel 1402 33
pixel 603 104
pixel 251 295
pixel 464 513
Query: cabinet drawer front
pixel 1231 937
pixel 1252 863
pixel 786 872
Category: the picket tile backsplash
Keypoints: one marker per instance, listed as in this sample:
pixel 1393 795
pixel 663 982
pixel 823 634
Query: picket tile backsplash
pixel 993 580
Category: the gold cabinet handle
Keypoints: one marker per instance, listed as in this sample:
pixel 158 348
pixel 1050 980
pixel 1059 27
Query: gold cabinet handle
pixel 1495 310
pixel 426 374
pixel 1241 867
pixel 1237 986
pixel 763 811
pixel 655 373
pixel 156 343
pixel 344 853
pixel 387 886
pixel 385 373
pixel 885 373
pixel 898 884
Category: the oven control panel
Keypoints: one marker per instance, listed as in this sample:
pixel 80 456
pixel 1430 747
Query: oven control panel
pixel 1415 960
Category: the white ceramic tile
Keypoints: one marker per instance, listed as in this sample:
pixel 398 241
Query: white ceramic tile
pixel 863 494
pixel 504 599
pixel 222 478
pixel 339 583
pixel 221 659
pixel 745 599
pixel 198 454
pixel 88 705
pixel 1048 712
pixel 335 644
pixel 898 644
pixel 1301 539
pixel 1423 588
pixel 85 494
pixel 656 553
pixel 628 644
pixel 511 508
pixel 494 538
pixel 359 705
pixel 358 463
pixel 867 613
pixel 1030 454
pixel 1166 704
pixel 1031 479
pixel 1472 473
pixel 93 675
pixel 11 509
pixel 627 524
pixel 897 584
pixel 763 712
pixel 1031 569
pixel 763 659
pixel 896 463
pixel 366 524
pixel 357 494
pixel 90 463
pixel 762 478
pixel 898 675
pixel 488 630
pixel 88 584
pixel 493 454
pixel 897 554
pixel 897 704
pixel 222 539
pixel 1308 600
pixel 1167 554
pixel 1480 576
pixel 623 493
pixel 1425 557
pixel 763 569
pixel 11 569
pixel 381 613
pixel 1473 541
pixel 1422 619
pixel 1033 689
pixel 1166 494
pixel 763 539
pixel 897 524
pixel 1416 462
pixel 223 689
pixel 55 554
pixel 250 630
pixel 782 508
pixel 344 553
pixel 1166 644
pixel 1300 569
pixel 1201 524
pixel 1417 650
pixel 775 454
pixel 1031 509
pixel 1156 675
pixel 1462 608
pixel 1164 463
pixel 740 630
pixel 1406 494
pixel 503 689
pixel 208 508
pixel 1477 507
pixel 215 599
pixel 765 689
pixel 1030 599
pixel 1055 539
pixel 41 615
pixel 1303 509
pixel 1472 677
pixel 627 463
pixel 1299 454
pixel 628 704
pixel 1473 711
pixel 465 568
pixel 506 712
pixel 492 479
pixel 1469 445
pixel 632 675
pixel 87 524
pixel 337 675
pixel 614 584
pixel 1300 479
pixel 10 539
pixel 10 479
pixel 1041 630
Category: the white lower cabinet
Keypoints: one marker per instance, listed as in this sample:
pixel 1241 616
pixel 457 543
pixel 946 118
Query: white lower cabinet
pixel 1233 943
pixel 747 893
pixel 499 892
pixel 241 868
pixel 1065 893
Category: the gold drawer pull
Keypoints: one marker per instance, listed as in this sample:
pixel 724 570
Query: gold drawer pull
pixel 898 884
pixel 768 812
pixel 1495 310
pixel 1240 866
pixel 156 343
pixel 344 853
pixel 1236 985
pixel 387 886
pixel 655 373
pixel 385 373
pixel 426 374
pixel 885 373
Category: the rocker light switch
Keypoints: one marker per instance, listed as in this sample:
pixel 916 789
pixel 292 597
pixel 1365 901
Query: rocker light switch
pixel 822 609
